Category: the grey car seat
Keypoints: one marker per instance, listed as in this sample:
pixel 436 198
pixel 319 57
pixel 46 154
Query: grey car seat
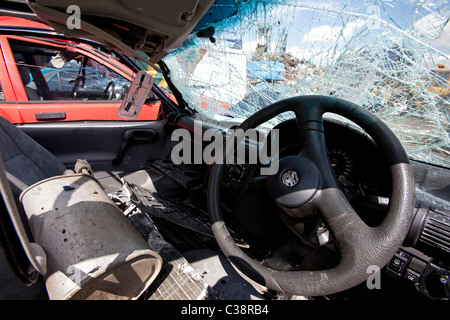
pixel 26 161
pixel 133 262
pixel 25 76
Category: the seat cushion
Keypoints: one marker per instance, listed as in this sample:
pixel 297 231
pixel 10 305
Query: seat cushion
pixel 26 161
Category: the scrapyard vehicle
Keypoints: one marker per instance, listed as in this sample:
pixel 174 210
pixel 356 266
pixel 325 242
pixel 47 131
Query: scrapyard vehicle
pixel 47 78
pixel 268 198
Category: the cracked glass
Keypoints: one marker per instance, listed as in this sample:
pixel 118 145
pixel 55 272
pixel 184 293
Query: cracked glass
pixel 390 57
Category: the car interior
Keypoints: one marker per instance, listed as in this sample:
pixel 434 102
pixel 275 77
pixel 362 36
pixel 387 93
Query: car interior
pixel 99 209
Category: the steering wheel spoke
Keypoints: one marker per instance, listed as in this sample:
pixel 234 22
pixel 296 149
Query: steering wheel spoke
pixel 309 117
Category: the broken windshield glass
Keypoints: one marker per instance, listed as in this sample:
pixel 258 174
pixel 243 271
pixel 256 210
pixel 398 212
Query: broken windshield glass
pixel 389 56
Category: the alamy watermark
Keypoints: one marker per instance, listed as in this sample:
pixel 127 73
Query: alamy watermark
pixel 374 280
pixel 237 150
pixel 74 20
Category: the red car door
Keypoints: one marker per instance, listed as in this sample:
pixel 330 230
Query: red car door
pixel 58 80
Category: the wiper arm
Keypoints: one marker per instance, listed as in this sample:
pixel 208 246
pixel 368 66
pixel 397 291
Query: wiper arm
pixel 181 102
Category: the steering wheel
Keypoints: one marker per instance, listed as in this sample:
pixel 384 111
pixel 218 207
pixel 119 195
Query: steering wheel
pixel 111 93
pixel 305 184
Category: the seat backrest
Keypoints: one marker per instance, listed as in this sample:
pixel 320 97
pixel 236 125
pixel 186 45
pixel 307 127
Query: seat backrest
pixel 26 161
pixel 25 76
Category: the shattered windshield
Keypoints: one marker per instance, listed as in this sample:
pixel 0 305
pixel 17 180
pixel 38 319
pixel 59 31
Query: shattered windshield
pixel 390 57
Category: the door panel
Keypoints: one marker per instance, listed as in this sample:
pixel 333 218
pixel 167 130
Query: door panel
pixel 101 142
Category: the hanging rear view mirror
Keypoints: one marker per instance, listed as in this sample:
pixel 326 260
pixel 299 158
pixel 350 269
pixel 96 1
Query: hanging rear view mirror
pixel 136 96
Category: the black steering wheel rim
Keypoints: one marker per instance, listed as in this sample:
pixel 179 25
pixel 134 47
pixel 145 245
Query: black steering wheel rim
pixel 360 246
pixel 105 95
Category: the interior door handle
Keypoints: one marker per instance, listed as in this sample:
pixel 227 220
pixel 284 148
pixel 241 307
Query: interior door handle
pixel 131 137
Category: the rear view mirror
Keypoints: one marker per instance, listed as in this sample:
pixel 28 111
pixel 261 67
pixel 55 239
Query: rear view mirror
pixel 136 96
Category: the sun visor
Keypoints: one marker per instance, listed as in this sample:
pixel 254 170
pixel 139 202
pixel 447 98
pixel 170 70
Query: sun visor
pixel 153 27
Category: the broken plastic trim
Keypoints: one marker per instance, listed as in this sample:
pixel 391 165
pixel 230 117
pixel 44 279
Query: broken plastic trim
pixel 136 96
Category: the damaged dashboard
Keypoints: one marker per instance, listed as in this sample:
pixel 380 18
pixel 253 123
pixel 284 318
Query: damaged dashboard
pixel 421 265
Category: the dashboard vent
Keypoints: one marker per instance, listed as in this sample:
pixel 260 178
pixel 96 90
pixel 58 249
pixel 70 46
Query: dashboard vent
pixel 436 231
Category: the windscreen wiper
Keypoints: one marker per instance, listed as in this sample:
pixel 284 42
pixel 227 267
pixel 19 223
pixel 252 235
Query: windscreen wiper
pixel 181 102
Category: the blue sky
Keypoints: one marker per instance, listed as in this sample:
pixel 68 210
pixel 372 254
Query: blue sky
pixel 314 28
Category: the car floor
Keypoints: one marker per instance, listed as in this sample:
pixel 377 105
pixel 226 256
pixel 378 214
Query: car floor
pixel 198 273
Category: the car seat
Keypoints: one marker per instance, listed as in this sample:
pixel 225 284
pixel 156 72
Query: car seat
pixel 26 162
pixel 48 209
pixel 25 76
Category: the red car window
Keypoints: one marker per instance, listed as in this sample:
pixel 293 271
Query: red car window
pixel 49 74
pixel 62 83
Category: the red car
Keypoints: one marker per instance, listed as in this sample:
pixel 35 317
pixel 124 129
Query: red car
pixel 49 78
